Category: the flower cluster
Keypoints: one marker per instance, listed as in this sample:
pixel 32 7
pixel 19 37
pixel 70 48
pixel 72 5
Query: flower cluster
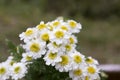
pixel 11 69
pixel 55 42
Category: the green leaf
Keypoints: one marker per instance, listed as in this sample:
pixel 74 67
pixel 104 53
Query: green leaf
pixel 15 51
pixel 11 46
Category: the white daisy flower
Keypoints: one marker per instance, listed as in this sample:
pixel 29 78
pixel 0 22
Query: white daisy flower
pixel 4 71
pixel 75 27
pixel 90 60
pixel 69 48
pixel 56 23
pixel 35 48
pixel 59 36
pixel 77 74
pixel 28 35
pixel 65 64
pixel 26 57
pixel 45 35
pixel 72 39
pixel 92 72
pixel 78 60
pixel 41 26
pixel 52 58
pixel 18 71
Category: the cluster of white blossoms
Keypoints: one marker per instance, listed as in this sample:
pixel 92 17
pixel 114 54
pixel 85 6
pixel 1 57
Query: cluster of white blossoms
pixel 14 70
pixel 55 42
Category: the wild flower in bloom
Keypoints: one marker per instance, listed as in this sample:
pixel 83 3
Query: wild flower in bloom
pixel 4 71
pixel 52 58
pixel 18 70
pixel 55 43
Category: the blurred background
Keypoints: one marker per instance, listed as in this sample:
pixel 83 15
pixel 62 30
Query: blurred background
pixel 100 19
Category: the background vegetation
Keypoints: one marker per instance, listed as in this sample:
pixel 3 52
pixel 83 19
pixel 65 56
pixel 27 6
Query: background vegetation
pixel 100 36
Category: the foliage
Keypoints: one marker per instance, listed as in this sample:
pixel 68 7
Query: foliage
pixel 15 51
pixel 44 72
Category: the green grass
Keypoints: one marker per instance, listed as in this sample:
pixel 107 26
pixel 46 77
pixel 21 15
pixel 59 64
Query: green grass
pixel 98 38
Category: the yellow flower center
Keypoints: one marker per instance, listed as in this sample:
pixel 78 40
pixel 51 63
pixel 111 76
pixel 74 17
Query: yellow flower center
pixel 72 24
pixel 86 78
pixel 68 47
pixel 64 28
pixel 56 23
pixel 45 37
pixel 59 34
pixel 71 40
pixel 35 47
pixel 89 61
pixel 65 60
pixel 29 32
pixel 2 70
pixel 77 59
pixel 17 69
pixel 91 70
pixel 28 58
pixel 41 26
pixel 78 72
pixel 52 55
